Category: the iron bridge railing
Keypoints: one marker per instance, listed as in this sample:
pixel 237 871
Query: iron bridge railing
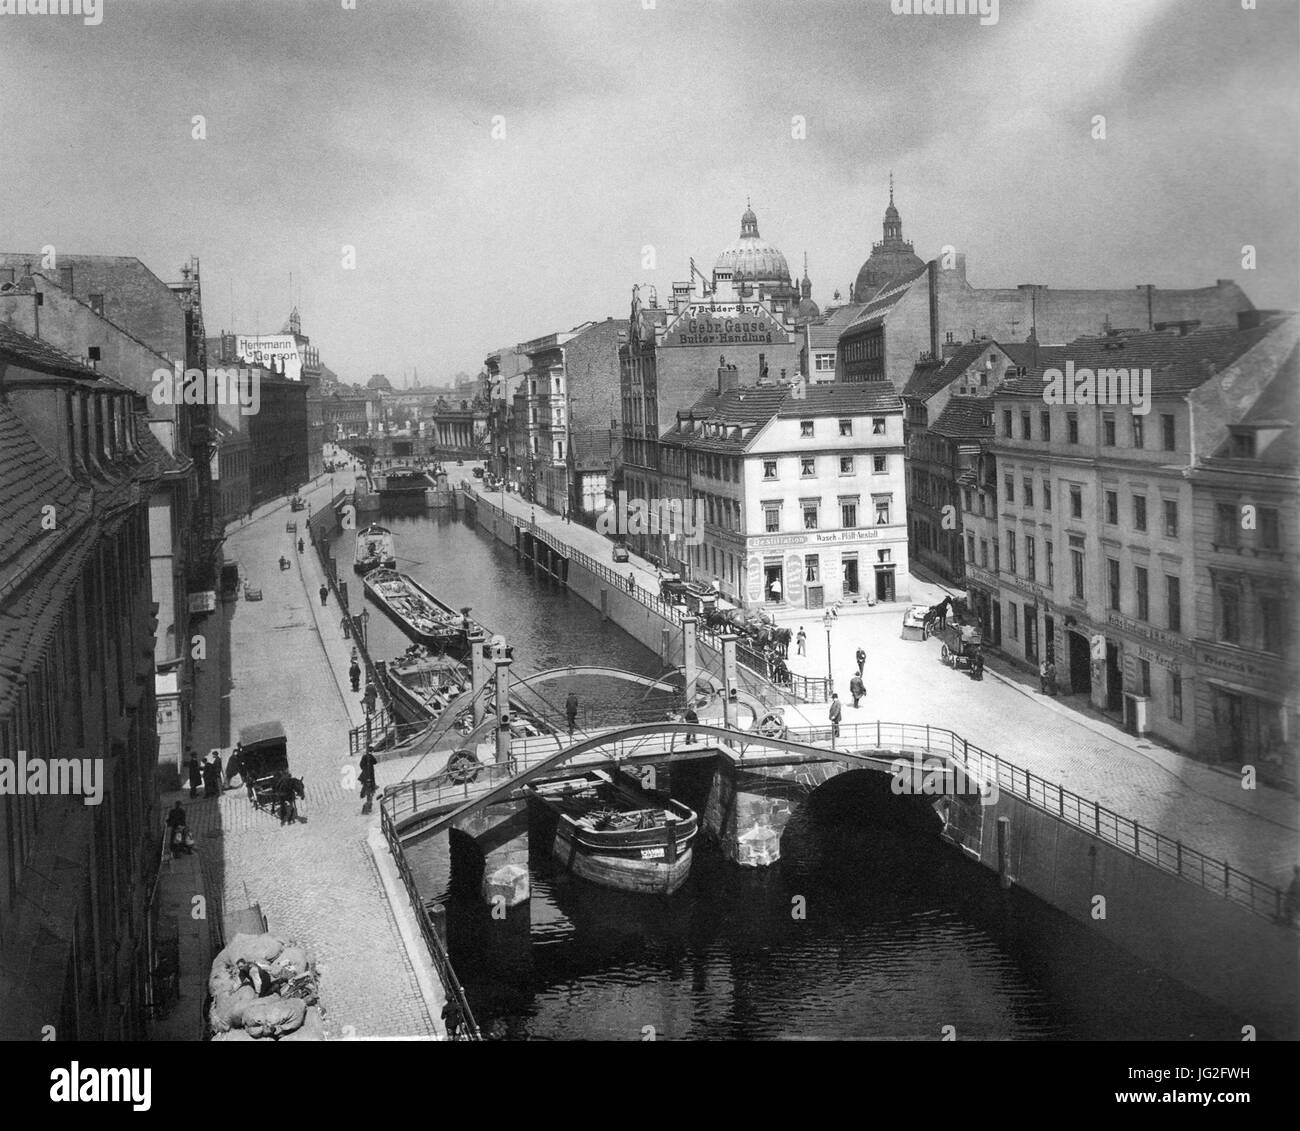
pixel 1129 836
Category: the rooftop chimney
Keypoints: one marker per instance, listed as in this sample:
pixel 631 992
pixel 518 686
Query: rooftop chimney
pixel 728 378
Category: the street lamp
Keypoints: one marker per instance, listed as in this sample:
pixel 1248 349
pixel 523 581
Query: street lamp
pixel 830 679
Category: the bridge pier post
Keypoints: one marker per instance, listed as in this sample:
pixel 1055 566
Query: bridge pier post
pixel 690 661
pixel 501 832
pixel 747 812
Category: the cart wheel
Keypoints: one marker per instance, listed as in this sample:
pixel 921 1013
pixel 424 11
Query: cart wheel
pixel 463 767
pixel 946 656
pixel 772 726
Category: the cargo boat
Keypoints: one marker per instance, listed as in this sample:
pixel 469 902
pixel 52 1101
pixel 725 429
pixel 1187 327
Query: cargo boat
pixel 374 549
pixel 423 683
pixel 418 613
pixel 611 831
pixel 405 483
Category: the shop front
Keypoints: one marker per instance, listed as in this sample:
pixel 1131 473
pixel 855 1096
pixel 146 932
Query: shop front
pixel 810 571
pixel 1248 712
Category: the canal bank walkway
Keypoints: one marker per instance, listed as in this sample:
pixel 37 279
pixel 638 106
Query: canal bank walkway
pixel 328 881
pixel 1256 830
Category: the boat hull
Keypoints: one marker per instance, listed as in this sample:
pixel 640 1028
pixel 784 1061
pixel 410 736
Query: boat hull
pixel 623 873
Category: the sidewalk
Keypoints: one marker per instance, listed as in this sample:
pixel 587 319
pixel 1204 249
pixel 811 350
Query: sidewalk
pixel 318 880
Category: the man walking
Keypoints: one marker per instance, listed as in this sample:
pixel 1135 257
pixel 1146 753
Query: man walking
pixel 196 775
pixel 801 641
pixel 857 688
pixel 861 657
pixel 571 710
pixel 367 779
pixel 837 712
pixel 631 582
pixel 369 696
pixel 691 717
pixel 324 593
pixel 354 674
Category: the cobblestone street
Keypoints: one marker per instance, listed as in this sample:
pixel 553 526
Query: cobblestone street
pixel 316 880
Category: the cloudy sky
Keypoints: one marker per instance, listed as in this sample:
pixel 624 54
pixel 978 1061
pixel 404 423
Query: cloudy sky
pixel 628 126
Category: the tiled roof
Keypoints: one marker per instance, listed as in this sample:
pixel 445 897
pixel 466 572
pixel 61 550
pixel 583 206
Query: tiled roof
pixel 929 377
pixel 1178 363
pixel 33 353
pixel 963 417
pixel 156 450
pixel 838 398
pixel 880 306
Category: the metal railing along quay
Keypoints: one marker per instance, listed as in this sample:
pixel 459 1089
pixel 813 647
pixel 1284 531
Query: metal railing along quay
pixel 1124 833
pixel 747 657
pixel 437 951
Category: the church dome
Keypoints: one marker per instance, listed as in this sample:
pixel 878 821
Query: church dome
pixel 751 258
pixel 890 259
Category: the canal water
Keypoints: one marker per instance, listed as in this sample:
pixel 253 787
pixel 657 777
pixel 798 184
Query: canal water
pixel 870 928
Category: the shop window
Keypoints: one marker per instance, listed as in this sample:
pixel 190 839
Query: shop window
pixel 812 568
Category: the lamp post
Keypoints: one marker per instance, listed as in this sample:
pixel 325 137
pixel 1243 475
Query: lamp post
pixel 830 680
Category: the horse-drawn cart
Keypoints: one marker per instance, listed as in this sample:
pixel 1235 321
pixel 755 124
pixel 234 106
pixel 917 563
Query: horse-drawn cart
pixel 264 766
pixel 962 646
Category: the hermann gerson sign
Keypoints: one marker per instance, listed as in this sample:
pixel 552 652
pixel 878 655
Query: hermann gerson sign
pixel 740 324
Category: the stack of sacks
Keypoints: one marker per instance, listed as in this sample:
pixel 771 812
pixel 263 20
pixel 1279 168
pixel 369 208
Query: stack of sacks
pixel 264 989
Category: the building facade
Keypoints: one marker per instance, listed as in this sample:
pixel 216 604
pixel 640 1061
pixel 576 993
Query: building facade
pixel 801 490
pixel 916 313
pixel 1097 548
pixel 76 682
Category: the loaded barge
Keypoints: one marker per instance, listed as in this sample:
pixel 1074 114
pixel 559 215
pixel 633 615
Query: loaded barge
pixel 611 831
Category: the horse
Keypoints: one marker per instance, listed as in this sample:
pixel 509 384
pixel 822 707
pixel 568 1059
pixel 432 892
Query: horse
pixel 938 615
pixel 287 791
pixel 781 638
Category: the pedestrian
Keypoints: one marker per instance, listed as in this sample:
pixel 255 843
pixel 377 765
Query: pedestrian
pixel 216 765
pixel 564 515
pixel 300 545
pixel 691 717
pixel 836 713
pixel 801 641
pixel 346 625
pixel 354 674
pixel 1051 678
pixel 209 780
pixel 367 778
pixel 452 1018
pixel 857 688
pixel 631 582
pixel 195 773
pixel 571 710
pixel 324 593
pixel 861 657
pixel 1042 678
pixel 369 696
